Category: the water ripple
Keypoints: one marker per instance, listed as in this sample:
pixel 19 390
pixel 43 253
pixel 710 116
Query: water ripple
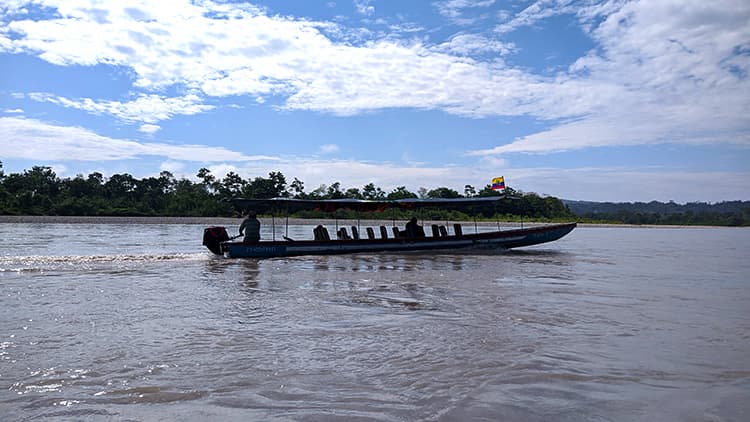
pixel 601 326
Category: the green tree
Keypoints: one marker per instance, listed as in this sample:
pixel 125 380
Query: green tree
pixel 192 199
pixel 372 192
pixel 259 187
pixel 79 196
pixel 334 191
pixel 4 196
pixel 443 192
pixel 231 185
pixel 400 193
pixel 353 193
pixel 272 187
pixel 278 183
pixel 120 186
pixel 119 190
pixel 152 193
pixel 487 191
pixel 208 181
pixel 167 181
pixel 298 188
pixel 33 192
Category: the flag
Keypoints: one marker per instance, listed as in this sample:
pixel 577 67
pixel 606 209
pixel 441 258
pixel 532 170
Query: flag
pixel 498 183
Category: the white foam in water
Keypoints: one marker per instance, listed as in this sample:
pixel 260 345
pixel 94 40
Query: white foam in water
pixel 82 262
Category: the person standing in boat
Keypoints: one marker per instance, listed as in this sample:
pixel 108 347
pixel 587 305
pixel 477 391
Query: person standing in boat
pixel 413 229
pixel 250 227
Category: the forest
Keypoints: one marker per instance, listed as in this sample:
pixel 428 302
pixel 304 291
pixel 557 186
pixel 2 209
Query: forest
pixel 39 191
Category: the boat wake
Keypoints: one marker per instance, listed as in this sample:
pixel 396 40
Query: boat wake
pixel 41 263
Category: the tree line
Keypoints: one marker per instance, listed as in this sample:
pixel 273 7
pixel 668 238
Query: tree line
pixel 727 213
pixel 39 191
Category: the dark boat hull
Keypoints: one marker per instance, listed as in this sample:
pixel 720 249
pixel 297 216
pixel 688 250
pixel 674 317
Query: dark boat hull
pixel 504 239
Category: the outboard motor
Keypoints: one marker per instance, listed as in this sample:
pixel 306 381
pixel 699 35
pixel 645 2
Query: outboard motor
pixel 212 238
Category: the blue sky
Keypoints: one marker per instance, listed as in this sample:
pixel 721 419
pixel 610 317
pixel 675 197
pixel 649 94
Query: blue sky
pixel 609 100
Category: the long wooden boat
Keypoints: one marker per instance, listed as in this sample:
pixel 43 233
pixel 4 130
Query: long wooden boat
pixel 217 240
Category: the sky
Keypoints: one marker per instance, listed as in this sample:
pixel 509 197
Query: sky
pixel 609 100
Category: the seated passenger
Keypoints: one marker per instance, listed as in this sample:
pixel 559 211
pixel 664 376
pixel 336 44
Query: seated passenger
pixel 413 229
pixel 321 233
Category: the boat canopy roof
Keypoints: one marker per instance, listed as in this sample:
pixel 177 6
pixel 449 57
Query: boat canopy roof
pixel 330 205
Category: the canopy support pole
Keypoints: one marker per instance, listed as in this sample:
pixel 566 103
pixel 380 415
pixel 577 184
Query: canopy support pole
pixel 497 217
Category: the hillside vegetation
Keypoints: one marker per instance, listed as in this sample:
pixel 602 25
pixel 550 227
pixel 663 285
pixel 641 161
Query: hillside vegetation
pixel 730 213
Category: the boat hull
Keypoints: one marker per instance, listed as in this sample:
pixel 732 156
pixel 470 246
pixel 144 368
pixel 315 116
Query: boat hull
pixel 504 239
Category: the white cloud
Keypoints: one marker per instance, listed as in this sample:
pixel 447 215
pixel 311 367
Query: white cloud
pixel 147 108
pixel 59 169
pixel 329 148
pixel 175 167
pixel 261 56
pixel 667 71
pixel 493 163
pixel 648 126
pixel 462 12
pixel 13 111
pixel 468 44
pixel 220 170
pixel 149 128
pixel 35 140
pixel 537 11
pixel 363 7
pixel 660 78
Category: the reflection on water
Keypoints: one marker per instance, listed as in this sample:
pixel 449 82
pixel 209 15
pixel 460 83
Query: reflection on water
pixel 250 269
pixel 603 325
pixel 350 263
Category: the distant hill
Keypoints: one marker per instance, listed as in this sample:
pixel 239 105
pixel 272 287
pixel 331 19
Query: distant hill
pixel 730 213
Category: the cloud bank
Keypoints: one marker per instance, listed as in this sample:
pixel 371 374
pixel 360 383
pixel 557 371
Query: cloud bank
pixel 48 143
pixel 667 71
pixel 35 140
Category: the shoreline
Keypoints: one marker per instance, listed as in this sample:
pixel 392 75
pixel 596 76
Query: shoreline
pixel 229 221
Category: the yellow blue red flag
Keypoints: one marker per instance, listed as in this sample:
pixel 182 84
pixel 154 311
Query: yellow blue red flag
pixel 498 183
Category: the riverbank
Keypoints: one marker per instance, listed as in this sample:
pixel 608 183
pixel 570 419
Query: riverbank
pixel 230 222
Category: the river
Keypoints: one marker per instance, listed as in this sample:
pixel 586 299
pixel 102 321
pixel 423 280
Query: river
pixel 139 322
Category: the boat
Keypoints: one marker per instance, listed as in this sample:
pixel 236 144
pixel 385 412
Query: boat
pixel 217 240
